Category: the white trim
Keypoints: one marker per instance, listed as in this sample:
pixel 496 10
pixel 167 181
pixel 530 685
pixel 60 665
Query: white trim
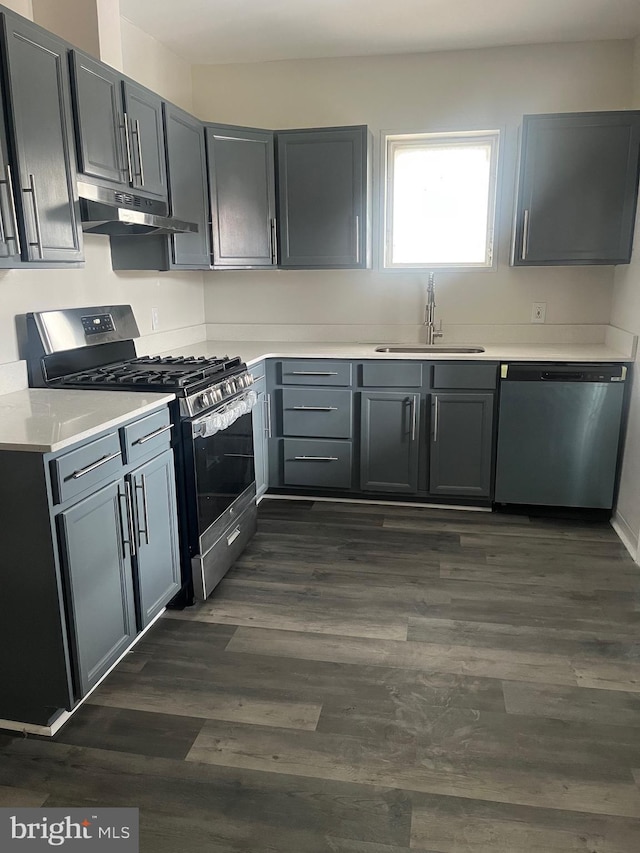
pixel 626 535
pixel 365 501
pixel 65 716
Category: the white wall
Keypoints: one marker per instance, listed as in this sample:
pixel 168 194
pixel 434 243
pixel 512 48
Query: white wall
pixel 22 7
pixel 626 314
pixel 178 296
pixel 439 91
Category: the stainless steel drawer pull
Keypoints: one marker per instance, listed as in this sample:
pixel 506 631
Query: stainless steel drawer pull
pixel 153 434
pixel 139 144
pixel 82 471
pixel 525 235
pixel 436 417
pixel 12 203
pixel 357 239
pixel 132 530
pixel 267 429
pixel 36 215
pixel 314 372
pixel 315 408
pixel 316 458
pixel 127 138
pixel 274 242
pixel 145 510
pixel 414 418
pixel 231 538
pixel 239 455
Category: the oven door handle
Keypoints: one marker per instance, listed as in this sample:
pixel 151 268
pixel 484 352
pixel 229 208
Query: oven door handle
pixel 223 417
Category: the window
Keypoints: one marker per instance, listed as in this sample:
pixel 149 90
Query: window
pixel 440 199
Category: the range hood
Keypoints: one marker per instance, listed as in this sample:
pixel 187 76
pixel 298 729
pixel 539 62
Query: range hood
pixel 122 214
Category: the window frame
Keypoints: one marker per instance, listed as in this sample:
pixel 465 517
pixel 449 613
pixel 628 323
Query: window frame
pixel 418 139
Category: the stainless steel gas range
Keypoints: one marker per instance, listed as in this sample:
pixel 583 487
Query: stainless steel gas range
pixel 211 423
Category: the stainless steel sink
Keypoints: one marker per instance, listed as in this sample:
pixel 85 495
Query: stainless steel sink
pixel 428 348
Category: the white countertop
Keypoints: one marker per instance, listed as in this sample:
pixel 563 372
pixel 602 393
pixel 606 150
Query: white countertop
pixel 254 351
pixel 45 420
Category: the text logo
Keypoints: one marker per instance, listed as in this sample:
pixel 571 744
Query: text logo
pixel 105 830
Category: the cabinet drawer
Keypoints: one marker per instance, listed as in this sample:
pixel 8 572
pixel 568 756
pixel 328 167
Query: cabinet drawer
pixel 317 463
pixel 391 374
pixel 465 375
pixel 317 412
pixel 315 371
pixel 80 469
pixel 148 435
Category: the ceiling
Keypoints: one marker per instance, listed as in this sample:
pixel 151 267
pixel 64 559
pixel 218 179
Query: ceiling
pixel 223 31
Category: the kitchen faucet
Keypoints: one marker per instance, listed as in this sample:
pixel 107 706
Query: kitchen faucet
pixel 429 311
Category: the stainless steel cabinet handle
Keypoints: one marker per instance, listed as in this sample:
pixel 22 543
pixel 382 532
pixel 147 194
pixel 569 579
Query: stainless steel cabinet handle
pixel 231 538
pixel 525 235
pixel 12 203
pixel 314 373
pixel 130 524
pixel 357 239
pixel 82 471
pixel 436 417
pixel 268 426
pixel 414 418
pixel 127 138
pixel 142 487
pixel 36 215
pixel 315 408
pixel 274 242
pixel 239 455
pixel 122 496
pixel 153 434
pixel 316 458
pixel 139 145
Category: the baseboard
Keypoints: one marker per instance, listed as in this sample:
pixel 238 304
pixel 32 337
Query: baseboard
pixel 626 535
pixel 365 502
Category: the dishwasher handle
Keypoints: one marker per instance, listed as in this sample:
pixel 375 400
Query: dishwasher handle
pixel 563 372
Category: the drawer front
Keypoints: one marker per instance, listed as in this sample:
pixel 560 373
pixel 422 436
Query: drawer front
pixel 317 463
pixel 258 370
pixel 209 568
pixel 315 371
pixel 85 467
pixel 391 374
pixel 317 412
pixel 465 375
pixel 149 435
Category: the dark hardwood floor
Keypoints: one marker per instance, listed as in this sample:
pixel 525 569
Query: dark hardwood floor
pixel 373 679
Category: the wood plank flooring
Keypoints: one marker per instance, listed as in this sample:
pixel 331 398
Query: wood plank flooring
pixel 374 679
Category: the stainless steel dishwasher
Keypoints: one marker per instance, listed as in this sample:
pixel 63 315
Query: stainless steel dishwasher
pixel 559 433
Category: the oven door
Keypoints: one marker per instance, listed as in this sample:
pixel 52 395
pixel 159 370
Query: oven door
pixel 223 461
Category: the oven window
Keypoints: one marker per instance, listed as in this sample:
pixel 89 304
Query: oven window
pixel 224 469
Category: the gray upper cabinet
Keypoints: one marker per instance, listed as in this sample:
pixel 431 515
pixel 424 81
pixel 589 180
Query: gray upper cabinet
pixel 390 429
pixel 37 74
pixel 323 198
pixel 143 120
pixel 99 115
pixel 100 590
pixel 242 186
pixel 577 188
pixel 461 447
pixel 9 236
pixel 157 556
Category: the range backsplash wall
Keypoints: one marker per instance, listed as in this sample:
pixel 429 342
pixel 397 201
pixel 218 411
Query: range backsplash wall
pixel 177 296
pixel 480 89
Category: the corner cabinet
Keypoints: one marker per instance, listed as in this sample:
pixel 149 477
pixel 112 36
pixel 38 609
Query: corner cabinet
pixel 242 188
pixel 577 190
pixel 323 197
pixel 43 189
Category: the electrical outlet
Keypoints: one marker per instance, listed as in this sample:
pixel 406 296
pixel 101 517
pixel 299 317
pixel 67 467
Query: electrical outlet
pixel 155 319
pixel 538 312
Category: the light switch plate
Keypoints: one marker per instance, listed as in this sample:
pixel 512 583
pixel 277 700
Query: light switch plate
pixel 538 312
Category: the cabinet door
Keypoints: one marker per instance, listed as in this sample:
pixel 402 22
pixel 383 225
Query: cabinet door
pixel 9 236
pixel 187 166
pixel 143 116
pixel 578 188
pixel 390 426
pixel 322 183
pixel 99 581
pixel 461 444
pixel 156 528
pixel 99 117
pixel 38 77
pixel 260 439
pixel 242 185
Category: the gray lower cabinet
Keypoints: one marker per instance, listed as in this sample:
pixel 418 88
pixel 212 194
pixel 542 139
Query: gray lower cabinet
pixel 100 586
pixel 389 441
pixel 261 417
pixel 157 559
pixel 461 446
pixel 39 110
pixel 242 187
pixel 577 189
